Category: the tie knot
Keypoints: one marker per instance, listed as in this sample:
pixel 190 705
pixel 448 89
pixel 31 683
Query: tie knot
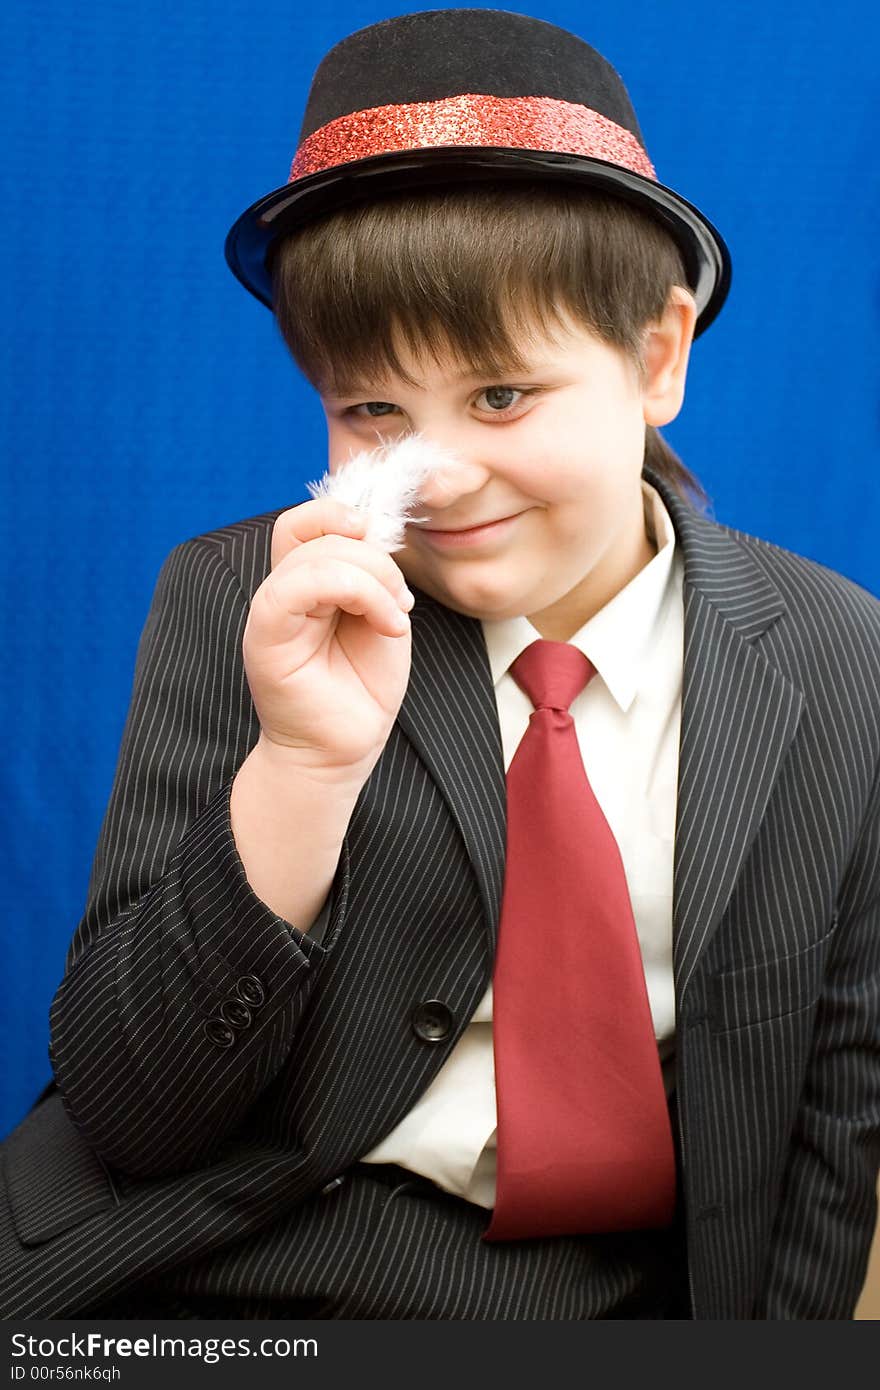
pixel 552 673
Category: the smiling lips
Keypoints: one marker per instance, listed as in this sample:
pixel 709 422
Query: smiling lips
pixel 471 535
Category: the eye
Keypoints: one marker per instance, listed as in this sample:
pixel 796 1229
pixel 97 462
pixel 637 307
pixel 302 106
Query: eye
pixel 501 398
pixel 373 408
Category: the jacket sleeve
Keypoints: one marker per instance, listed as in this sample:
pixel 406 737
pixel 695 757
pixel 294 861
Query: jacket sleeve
pixel 183 990
pixel 825 1221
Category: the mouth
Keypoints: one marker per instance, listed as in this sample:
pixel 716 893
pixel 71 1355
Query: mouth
pixel 468 535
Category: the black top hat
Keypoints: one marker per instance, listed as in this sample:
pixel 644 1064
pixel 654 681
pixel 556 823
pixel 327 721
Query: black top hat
pixel 455 96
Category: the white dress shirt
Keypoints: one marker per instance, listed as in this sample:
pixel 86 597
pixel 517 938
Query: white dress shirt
pixel 628 721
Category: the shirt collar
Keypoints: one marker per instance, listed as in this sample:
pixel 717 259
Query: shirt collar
pixel 617 638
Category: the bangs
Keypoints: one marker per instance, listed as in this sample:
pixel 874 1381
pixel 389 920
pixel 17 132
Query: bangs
pixel 475 274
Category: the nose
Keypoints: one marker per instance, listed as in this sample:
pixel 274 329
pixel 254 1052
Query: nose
pixel 456 478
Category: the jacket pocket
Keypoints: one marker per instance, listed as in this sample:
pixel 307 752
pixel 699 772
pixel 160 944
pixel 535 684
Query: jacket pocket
pixel 54 1180
pixel 771 988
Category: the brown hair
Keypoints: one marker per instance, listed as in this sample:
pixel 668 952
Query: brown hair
pixel 472 270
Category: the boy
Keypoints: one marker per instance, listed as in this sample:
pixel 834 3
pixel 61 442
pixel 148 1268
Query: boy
pixel 278 1037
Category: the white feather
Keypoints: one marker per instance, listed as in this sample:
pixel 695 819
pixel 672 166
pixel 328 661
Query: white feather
pixel 385 483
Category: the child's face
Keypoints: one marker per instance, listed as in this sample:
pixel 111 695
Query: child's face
pixel 557 448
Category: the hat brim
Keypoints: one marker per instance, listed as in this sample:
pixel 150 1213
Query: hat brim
pixel 277 214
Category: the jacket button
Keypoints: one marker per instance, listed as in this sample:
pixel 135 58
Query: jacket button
pixel 431 1021
pixel 219 1033
pixel 235 1013
pixel 250 989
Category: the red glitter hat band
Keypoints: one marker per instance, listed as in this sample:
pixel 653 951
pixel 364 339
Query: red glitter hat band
pixel 529 123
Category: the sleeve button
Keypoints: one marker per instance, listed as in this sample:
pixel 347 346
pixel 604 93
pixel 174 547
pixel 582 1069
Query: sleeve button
pixel 219 1033
pixel 250 990
pixel 235 1013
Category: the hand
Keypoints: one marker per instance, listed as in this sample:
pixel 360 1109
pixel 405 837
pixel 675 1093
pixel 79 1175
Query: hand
pixel 327 644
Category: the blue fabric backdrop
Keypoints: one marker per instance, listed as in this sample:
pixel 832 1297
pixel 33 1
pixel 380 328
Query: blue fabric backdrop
pixel 147 397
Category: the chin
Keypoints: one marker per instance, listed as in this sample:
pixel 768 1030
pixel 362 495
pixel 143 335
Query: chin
pixel 484 609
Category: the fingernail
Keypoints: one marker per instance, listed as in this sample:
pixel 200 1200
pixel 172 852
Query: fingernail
pixel 406 599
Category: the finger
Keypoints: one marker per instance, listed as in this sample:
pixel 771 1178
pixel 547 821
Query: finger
pixel 370 558
pixel 323 516
pixel 289 598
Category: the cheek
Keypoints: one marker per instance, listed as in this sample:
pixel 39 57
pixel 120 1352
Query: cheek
pixel 590 465
pixel 584 501
pixel 541 468
pixel 341 444
pixel 566 456
pixel 560 479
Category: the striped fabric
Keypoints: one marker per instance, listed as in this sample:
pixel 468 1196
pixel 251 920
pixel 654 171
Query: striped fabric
pixel 180 1147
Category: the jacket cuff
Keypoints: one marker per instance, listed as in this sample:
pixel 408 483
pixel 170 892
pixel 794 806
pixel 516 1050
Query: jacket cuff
pixel 234 932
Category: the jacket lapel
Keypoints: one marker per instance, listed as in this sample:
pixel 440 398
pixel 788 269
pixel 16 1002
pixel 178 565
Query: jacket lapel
pixel 450 716
pixel 739 714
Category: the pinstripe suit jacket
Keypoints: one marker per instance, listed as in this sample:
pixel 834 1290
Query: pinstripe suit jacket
pixel 180 1147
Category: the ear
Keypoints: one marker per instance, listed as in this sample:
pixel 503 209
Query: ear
pixel 666 348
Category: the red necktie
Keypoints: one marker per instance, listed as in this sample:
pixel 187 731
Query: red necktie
pixel 584 1139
